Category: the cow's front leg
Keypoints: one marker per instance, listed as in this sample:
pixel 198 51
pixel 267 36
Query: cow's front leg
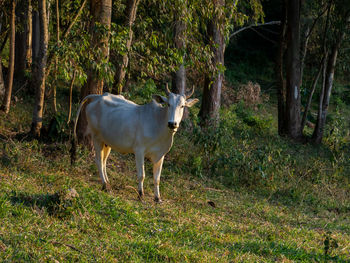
pixel 157 169
pixel 139 157
pixel 99 154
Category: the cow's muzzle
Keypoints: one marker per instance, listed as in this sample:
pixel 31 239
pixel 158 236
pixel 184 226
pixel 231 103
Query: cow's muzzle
pixel 173 125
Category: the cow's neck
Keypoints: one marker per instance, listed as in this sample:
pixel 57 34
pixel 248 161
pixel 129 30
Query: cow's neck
pixel 164 132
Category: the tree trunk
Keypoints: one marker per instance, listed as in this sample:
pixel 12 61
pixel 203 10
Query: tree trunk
pixel 281 84
pixel 323 88
pixel 2 84
pixel 39 71
pixel 305 44
pixel 35 36
pixel 179 77
pixel 293 70
pixel 101 11
pixel 329 77
pixel 312 90
pixel 54 101
pixel 48 4
pixel 8 91
pixel 209 111
pixel 29 26
pixel 322 67
pixel 21 40
pixel 122 61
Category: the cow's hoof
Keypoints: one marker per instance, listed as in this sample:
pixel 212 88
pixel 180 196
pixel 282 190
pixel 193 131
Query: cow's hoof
pixel 158 200
pixel 106 187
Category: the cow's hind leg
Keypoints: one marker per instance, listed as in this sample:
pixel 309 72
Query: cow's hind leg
pixel 106 152
pixel 157 169
pixel 99 154
pixel 140 167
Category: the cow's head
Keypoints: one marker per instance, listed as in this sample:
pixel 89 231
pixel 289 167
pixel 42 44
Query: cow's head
pixel 176 104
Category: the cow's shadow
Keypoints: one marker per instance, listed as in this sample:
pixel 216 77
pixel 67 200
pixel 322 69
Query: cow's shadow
pixel 52 203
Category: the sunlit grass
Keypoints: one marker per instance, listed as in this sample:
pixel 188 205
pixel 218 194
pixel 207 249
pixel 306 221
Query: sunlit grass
pixel 284 217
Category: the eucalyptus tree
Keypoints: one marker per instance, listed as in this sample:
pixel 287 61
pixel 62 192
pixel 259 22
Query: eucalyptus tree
pixel 339 29
pixel 289 101
pixel 39 69
pixel 8 90
pixel 123 59
pixel 221 17
pixel 3 35
pixel 101 12
pixel 2 84
pixel 23 38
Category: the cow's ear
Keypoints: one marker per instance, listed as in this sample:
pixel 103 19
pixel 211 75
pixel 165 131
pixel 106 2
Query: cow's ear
pixel 160 99
pixel 191 102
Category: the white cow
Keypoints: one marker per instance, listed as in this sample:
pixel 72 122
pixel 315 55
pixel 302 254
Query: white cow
pixel 145 130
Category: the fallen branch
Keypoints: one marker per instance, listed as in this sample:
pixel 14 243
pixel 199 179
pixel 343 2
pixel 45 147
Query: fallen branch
pixel 133 188
pixel 67 245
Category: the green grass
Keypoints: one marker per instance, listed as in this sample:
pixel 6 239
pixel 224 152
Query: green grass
pixel 284 216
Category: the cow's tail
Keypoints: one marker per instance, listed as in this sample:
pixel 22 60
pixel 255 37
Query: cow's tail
pixel 74 140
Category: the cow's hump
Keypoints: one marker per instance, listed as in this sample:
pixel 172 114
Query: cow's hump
pixel 116 100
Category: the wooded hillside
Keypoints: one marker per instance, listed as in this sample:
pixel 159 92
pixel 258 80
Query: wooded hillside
pixel 260 167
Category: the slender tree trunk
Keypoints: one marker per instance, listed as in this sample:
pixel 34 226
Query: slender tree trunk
pixel 54 101
pixel 35 37
pixel 312 90
pixel 304 51
pixel 323 88
pixel 21 40
pixel 328 85
pixel 329 77
pixel 39 71
pixel 8 91
pixel 122 61
pixel 293 101
pixel 29 26
pixel 2 84
pixel 35 49
pixel 281 84
pixel 101 11
pixel 48 5
pixel 179 77
pixel 212 85
pixel 322 67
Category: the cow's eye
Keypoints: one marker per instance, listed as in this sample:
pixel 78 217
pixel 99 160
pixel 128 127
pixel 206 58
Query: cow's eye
pixel 183 106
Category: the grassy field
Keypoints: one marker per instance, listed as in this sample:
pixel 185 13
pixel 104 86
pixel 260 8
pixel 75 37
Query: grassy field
pixel 253 198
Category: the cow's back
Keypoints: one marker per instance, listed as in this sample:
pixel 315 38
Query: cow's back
pixel 113 120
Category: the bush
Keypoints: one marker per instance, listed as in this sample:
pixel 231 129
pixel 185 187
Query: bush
pixel 225 152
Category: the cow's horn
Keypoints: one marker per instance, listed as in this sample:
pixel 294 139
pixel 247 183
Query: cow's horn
pixel 191 93
pixel 167 91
